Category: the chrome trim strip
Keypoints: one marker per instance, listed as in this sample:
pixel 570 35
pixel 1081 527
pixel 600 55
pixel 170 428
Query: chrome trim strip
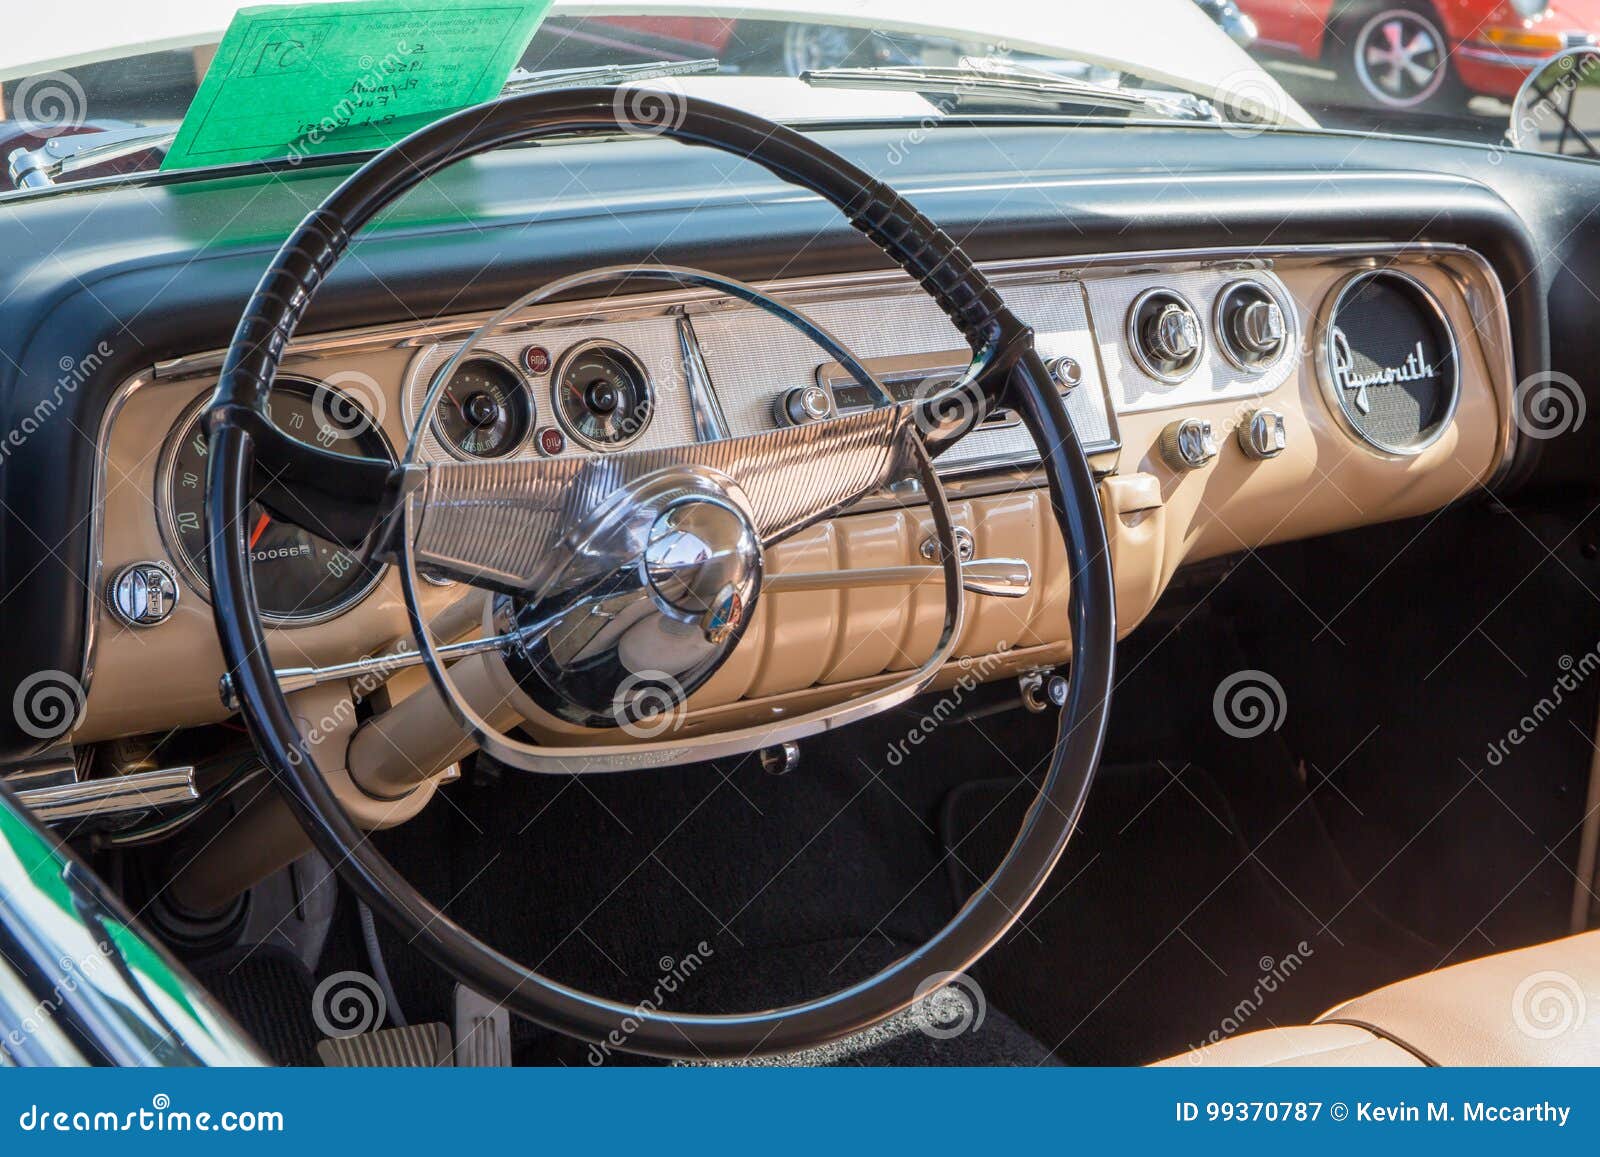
pixel 125 796
pixel 710 423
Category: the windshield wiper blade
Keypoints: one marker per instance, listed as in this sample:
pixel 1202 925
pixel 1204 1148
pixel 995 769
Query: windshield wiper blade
pixel 521 80
pixel 985 81
pixel 62 156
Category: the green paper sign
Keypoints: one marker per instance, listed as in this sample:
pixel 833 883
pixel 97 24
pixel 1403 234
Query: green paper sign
pixel 297 80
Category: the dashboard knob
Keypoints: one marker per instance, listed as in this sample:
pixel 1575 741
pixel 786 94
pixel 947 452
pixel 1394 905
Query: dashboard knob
pixel 1187 444
pixel 1066 372
pixel 1258 327
pixel 143 594
pixel 1174 333
pixel 803 404
pixel 1262 434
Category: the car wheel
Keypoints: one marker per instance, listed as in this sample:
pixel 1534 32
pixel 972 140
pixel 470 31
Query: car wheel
pixel 1396 56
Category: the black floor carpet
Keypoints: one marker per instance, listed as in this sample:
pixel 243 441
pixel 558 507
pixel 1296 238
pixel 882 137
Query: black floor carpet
pixel 270 994
pixel 783 887
pixel 1160 928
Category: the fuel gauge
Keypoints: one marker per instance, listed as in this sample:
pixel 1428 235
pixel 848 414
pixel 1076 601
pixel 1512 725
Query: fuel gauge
pixel 485 411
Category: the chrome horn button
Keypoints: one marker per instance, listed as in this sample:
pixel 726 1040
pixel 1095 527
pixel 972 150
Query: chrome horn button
pixel 702 564
pixel 654 590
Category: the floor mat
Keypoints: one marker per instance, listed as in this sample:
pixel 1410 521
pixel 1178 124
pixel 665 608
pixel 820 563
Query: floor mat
pixel 1159 930
pixel 956 1028
pixel 269 993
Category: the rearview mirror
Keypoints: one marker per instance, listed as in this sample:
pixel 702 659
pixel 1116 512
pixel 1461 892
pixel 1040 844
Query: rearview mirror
pixel 1557 110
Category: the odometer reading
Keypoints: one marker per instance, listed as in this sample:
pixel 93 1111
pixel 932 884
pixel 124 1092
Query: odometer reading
pixel 299 577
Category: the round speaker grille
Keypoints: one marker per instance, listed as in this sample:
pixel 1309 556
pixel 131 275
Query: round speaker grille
pixel 1391 362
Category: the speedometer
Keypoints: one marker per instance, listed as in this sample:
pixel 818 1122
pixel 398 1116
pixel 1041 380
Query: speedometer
pixel 300 578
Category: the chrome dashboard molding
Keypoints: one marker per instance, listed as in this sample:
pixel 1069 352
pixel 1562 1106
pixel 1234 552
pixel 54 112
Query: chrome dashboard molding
pixel 1470 271
pixel 710 423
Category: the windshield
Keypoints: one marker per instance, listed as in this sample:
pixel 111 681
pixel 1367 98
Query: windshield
pixel 93 87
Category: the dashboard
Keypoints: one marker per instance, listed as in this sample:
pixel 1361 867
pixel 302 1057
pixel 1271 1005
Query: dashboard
pixel 1136 255
pixel 1226 399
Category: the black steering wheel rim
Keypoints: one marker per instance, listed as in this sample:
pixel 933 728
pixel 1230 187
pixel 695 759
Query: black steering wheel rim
pixel 250 457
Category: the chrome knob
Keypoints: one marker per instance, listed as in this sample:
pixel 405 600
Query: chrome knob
pixel 703 563
pixel 1187 444
pixel 803 404
pixel 1068 374
pixel 142 594
pixel 1262 434
pixel 1174 333
pixel 1258 327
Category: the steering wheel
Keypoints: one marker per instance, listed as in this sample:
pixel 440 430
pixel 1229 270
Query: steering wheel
pixel 739 494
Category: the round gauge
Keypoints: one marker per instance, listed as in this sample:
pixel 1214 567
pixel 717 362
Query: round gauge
pixel 485 410
pixel 300 578
pixel 602 395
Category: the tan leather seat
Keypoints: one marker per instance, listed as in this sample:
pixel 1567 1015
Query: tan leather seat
pixel 1534 1006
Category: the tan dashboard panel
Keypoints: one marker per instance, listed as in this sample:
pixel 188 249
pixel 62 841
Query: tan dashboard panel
pixel 802 648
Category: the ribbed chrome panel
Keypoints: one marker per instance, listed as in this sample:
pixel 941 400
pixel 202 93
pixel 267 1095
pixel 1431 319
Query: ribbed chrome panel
pixel 501 521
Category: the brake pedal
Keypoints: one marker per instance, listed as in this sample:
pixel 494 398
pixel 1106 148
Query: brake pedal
pixel 417 1046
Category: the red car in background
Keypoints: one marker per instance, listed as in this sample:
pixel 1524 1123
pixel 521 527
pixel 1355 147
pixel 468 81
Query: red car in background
pixel 1427 54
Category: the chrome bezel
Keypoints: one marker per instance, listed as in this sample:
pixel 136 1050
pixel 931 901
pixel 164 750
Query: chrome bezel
pixel 558 371
pixel 172 541
pixel 438 432
pixel 1290 330
pixel 1325 362
pixel 1135 343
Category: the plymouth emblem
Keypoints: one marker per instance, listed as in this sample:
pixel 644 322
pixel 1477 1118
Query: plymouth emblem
pixel 1415 368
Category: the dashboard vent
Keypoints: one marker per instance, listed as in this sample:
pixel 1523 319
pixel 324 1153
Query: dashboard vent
pixel 1389 362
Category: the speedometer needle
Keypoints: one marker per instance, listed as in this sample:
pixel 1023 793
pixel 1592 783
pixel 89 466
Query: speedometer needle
pixel 261 526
